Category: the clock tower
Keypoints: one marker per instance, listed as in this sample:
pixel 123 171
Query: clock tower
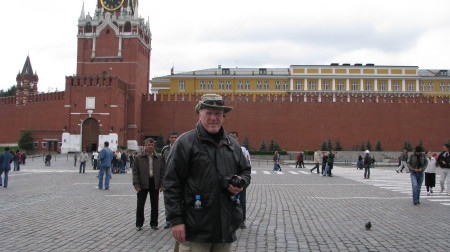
pixel 114 45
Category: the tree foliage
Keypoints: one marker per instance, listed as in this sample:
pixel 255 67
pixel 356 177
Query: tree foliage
pixel 26 140
pixel 10 92
pixel 263 146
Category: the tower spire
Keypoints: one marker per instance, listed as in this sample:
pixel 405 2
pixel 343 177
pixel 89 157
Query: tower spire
pixel 82 15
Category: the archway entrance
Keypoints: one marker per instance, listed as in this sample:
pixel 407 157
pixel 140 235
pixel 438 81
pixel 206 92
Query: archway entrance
pixel 90 131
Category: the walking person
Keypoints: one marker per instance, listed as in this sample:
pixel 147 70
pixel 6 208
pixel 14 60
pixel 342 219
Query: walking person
pixel 95 160
pixel 330 161
pixel 316 161
pixel 6 158
pixel 205 170
pixel 75 158
pixel 302 159
pixel 430 172
pixel 105 158
pixel 299 157
pixel 367 163
pixel 48 159
pixel 324 163
pixel 242 196
pixel 148 177
pixel 16 160
pixel 83 159
pixel 276 162
pixel 444 163
pixel 417 163
pixel 165 153
pixel 403 161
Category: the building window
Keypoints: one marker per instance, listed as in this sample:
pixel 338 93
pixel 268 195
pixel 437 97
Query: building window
pixel 181 85
pixel 225 71
pixel 266 85
pixel 326 85
pixel 221 85
pixel 340 86
pixel 210 84
pixel 396 86
pixel 369 86
pixel 442 87
pixel 299 85
pixel 277 85
pixel 44 144
pixel 448 87
pixel 423 86
pixel 247 85
pixel 410 86
pixel 240 85
pixel 312 85
pixel 202 85
pixel 430 86
pixel 286 87
pixel 263 71
pixel 354 86
pixel 35 145
pixel 228 85
pixel 259 85
pixel 382 86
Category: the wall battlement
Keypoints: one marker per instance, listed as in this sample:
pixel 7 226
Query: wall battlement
pixel 94 81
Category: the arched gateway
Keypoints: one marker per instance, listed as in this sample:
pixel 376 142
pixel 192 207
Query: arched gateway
pixel 90 133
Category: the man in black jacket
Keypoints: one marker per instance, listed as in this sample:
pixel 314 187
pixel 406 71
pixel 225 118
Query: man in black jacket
pixel 444 162
pixel 205 170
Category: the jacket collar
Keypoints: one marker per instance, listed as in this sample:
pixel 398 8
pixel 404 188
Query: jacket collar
pixel 202 135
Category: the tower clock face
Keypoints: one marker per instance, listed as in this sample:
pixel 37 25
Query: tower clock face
pixel 112 5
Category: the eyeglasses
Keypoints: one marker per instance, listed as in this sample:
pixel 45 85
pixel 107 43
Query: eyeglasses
pixel 214 102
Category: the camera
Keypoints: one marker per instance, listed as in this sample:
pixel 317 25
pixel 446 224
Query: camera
pixel 234 181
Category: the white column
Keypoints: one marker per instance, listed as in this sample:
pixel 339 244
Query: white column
pixel 347 85
pixel 403 85
pixel 375 83
pixel 319 84
pixel 291 84
pixel 120 47
pixel 305 85
pixel 334 84
pixel 93 46
pixel 417 86
pixel 389 85
pixel 361 82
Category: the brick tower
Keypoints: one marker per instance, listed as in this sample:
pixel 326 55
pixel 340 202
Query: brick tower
pixel 26 83
pixel 113 72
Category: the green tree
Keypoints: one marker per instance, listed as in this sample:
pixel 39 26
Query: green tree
pixel 407 146
pixel 246 143
pixel 10 92
pixel 272 145
pixel 369 146
pixel 26 140
pixel 329 145
pixel 337 146
pixel 362 147
pixel 263 146
pixel 277 146
pixel 378 147
pixel 421 144
pixel 323 146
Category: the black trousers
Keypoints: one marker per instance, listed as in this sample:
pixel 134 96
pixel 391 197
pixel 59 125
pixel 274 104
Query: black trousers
pixel 141 198
pixel 316 167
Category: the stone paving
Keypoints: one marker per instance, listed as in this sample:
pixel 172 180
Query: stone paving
pixel 57 209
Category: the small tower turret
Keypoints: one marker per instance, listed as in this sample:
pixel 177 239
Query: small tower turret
pixel 26 83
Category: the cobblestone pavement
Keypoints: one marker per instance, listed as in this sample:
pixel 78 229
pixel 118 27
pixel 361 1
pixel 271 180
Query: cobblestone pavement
pixel 57 209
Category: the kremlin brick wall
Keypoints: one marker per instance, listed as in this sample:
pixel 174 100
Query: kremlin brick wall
pixel 299 125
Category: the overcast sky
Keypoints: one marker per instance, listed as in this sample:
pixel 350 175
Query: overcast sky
pixel 200 34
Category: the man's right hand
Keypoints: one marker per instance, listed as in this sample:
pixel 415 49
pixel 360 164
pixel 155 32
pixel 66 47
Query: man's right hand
pixel 137 188
pixel 179 233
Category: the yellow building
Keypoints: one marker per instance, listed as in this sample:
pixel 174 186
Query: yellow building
pixel 336 79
